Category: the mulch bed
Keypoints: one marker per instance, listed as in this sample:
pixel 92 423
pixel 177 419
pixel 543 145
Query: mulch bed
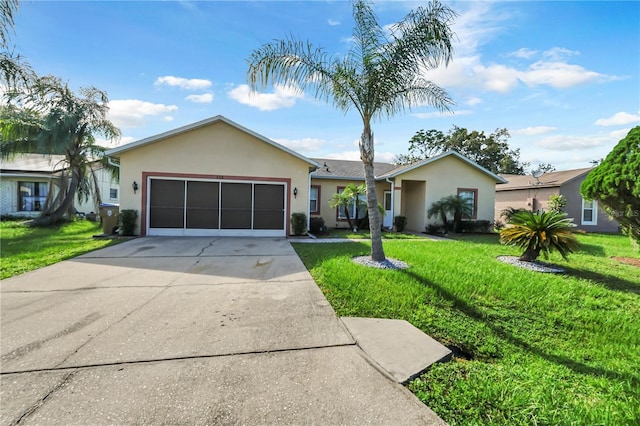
pixel 628 260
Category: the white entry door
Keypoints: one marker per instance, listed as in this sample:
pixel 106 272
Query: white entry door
pixel 387 222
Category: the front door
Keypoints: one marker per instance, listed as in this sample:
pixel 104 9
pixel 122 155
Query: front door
pixel 387 221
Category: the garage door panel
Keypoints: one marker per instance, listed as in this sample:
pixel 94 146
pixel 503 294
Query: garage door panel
pixel 235 211
pixel 166 204
pixel 268 206
pixel 202 204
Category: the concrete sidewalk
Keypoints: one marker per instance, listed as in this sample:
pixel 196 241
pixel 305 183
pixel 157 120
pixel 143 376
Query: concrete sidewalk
pixel 186 331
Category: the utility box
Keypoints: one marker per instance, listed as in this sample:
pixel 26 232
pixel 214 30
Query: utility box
pixel 109 217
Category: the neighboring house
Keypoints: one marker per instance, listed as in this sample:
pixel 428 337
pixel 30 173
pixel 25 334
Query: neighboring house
pixel 407 190
pixel 527 192
pixel 25 181
pixel 216 177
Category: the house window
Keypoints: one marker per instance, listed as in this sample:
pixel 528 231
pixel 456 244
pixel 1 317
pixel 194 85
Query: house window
pixel 113 193
pixel 32 195
pixel 362 207
pixel 589 212
pixel 314 200
pixel 470 194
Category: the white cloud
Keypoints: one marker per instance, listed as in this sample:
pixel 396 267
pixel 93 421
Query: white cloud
pixel 524 53
pixel 133 112
pixel 571 143
pixel 558 53
pixel 302 145
pixel 438 114
pixel 183 83
pixel 618 135
pixel 559 75
pixel 618 119
pixel 473 101
pixel 282 97
pixel 205 98
pixel 478 25
pixel 531 131
pixel 332 22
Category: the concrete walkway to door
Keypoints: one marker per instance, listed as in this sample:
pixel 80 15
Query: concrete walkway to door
pixel 186 331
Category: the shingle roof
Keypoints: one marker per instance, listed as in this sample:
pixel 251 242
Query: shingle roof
pixel 33 163
pixel 353 170
pixel 547 180
pixel 346 169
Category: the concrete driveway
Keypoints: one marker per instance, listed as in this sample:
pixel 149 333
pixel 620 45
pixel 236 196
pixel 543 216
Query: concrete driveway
pixel 186 331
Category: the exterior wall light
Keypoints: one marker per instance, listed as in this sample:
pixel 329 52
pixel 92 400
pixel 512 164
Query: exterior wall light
pixel 295 192
pixel 134 185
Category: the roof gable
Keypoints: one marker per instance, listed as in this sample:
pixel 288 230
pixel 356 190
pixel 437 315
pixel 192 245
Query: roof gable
pixel 398 170
pixel 547 180
pixel 189 127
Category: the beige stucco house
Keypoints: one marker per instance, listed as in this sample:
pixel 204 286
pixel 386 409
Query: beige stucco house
pixel 216 177
pixel 527 192
pixel 213 177
pixel 408 190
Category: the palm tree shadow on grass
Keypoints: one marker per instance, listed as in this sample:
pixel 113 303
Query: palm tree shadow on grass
pixel 479 316
pixel 609 281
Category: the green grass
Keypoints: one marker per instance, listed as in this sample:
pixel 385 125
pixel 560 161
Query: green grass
pixel 365 235
pixel 532 348
pixel 23 249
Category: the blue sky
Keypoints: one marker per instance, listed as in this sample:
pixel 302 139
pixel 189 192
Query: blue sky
pixel 563 77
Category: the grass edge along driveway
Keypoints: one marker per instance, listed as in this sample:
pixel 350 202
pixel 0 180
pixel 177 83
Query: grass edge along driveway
pixel 532 348
pixel 23 249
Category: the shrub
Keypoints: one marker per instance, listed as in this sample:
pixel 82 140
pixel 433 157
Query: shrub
pixel 317 226
pixel 556 203
pixel 128 222
pixel 540 232
pixel 434 229
pixel 400 222
pixel 299 223
pixel 474 226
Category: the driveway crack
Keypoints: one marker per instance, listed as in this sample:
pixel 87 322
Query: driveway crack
pixel 34 407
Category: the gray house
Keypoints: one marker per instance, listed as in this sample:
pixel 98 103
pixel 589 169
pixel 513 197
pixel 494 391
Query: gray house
pixel 525 191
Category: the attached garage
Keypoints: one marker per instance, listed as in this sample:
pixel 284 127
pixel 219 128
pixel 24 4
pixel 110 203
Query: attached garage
pixel 213 178
pixel 206 207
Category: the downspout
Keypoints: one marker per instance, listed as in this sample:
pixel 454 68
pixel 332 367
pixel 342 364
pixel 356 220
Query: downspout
pixel 308 200
pixel 110 161
pixel 393 196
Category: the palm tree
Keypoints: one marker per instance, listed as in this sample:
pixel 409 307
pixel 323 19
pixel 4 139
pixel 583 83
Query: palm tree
pixel 49 118
pixel 7 10
pixel 380 76
pixel 439 208
pixel 460 208
pixel 348 198
pixel 540 232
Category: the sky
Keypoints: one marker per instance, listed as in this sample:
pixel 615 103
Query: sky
pixel 562 77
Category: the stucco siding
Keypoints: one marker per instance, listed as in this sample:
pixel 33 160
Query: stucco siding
pixel 216 151
pixel 533 198
pixel 443 178
pixel 571 190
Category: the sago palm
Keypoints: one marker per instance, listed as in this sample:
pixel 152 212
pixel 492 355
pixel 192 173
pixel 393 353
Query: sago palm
pixel 540 232
pixel 380 76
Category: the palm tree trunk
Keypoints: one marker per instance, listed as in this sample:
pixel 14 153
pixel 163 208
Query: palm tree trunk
pixel 366 155
pixel 55 213
pixel 530 255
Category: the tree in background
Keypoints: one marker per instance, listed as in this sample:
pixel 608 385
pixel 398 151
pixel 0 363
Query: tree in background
pixel 556 203
pixel 50 118
pixel 491 152
pixel 380 76
pixel 615 184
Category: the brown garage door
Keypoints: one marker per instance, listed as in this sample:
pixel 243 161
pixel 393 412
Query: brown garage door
pixel 195 207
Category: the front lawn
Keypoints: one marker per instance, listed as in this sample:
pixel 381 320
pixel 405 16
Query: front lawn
pixel 365 235
pixel 23 249
pixel 531 348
